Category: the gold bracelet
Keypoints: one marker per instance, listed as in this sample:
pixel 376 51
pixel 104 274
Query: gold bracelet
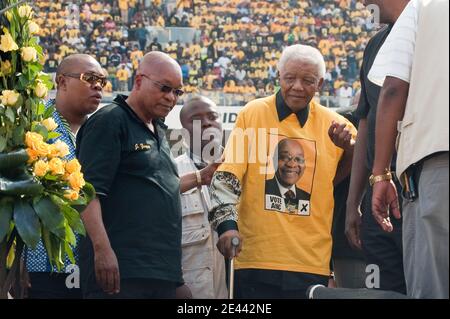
pixel 199 178
pixel 387 176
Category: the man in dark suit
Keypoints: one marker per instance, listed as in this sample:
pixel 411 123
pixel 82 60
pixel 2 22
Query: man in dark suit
pixel 289 164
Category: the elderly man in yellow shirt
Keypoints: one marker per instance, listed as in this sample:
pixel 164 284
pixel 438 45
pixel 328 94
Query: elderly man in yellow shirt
pixel 282 251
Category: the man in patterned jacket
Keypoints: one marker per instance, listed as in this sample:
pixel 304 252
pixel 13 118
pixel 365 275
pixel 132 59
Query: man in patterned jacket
pixel 80 81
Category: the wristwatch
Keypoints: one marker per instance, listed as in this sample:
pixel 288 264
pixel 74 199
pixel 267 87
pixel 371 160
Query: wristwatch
pixel 387 176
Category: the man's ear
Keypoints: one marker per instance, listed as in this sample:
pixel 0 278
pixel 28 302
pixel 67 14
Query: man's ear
pixel 138 81
pixel 320 85
pixel 60 81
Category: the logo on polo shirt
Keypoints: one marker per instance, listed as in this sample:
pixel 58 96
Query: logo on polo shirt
pixel 142 147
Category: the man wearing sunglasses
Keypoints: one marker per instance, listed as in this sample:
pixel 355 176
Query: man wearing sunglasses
pixel 133 249
pixel 79 81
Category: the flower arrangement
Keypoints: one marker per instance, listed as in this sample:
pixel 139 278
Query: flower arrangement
pixel 41 194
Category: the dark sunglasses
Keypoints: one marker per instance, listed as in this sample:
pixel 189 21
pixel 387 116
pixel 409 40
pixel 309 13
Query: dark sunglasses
pixel 165 88
pixel 89 78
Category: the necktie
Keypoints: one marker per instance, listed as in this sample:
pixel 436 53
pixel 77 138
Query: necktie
pixel 289 195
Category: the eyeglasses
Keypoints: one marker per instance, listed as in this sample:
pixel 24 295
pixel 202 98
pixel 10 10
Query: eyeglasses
pixel 287 158
pixel 88 78
pixel 165 88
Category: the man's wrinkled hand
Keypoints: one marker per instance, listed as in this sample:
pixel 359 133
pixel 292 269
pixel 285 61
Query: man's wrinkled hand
pixel 208 172
pixel 225 246
pixel 340 135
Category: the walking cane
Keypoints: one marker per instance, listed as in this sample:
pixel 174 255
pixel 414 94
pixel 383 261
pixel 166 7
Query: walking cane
pixel 234 244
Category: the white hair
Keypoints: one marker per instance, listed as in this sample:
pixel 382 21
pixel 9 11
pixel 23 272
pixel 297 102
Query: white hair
pixel 304 53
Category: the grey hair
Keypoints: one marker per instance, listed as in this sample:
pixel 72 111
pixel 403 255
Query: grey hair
pixel 304 53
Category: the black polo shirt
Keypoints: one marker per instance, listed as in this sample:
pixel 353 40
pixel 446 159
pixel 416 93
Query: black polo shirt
pixel 137 182
pixel 370 92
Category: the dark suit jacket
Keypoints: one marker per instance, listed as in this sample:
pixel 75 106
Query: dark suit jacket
pixel 273 189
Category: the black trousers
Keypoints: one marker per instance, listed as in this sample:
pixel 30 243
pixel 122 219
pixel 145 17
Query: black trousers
pixel 46 285
pixel 257 284
pixel 138 288
pixel 383 249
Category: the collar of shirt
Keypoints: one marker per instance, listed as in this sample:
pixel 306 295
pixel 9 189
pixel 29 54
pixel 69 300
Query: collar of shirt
pixel 160 127
pixel 283 189
pixel 284 111
pixel 63 124
pixel 121 100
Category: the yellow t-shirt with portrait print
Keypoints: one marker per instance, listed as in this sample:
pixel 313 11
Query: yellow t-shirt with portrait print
pixel 274 238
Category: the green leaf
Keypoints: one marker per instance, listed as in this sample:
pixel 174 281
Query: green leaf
pixel 71 214
pixel 47 244
pixel 50 216
pixel 23 184
pixel 13 159
pixel 69 253
pixel 50 177
pixel 41 129
pixel 70 236
pixel 34 68
pixel 27 223
pixel 19 135
pixel 23 82
pixel 89 192
pixel 2 143
pixel 6 214
pixel 53 135
pixel 49 112
pixel 10 115
pixel 57 250
pixel 40 109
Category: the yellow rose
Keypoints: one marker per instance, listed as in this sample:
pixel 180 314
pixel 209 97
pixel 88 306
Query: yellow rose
pixel 56 166
pixel 73 166
pixel 7 43
pixel 6 67
pixel 8 15
pixel 29 54
pixel 71 195
pixel 41 90
pixel 52 151
pixel 25 11
pixel 62 148
pixel 33 28
pixel 42 149
pixel 49 124
pixel 40 168
pixel 9 97
pixel 76 181
pixel 32 139
pixel 32 154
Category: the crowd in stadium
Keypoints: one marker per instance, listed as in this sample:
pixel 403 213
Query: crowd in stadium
pixel 236 52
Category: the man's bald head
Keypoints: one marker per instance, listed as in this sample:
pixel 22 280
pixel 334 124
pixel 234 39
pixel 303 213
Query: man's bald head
pixel 157 86
pixel 193 103
pixel 72 63
pixel 158 63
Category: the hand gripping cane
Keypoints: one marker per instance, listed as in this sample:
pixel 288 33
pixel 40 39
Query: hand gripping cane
pixel 234 245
